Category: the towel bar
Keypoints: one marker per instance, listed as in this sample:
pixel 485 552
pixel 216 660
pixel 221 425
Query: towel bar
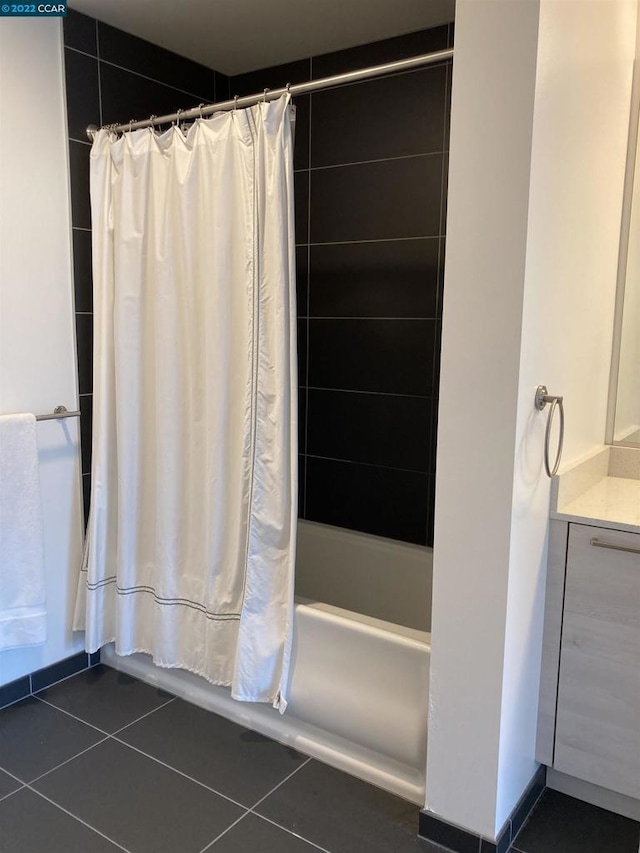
pixel 58 413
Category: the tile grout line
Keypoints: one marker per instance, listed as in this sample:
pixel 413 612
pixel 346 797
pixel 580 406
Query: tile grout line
pixel 13 776
pixel 99 75
pixel 373 160
pixel 78 819
pixel 308 294
pixel 179 772
pixel 284 828
pixel 422 472
pixel 360 318
pixel 91 725
pixel 370 240
pixel 143 716
pixel 66 761
pixel 275 787
pixel 291 832
pixel 138 74
pixel 372 393
pixel 224 831
pixel 363 240
pixel 11 793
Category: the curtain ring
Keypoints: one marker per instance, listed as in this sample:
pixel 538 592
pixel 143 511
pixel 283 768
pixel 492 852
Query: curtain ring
pixel 288 88
pixel 151 118
pixel 131 121
pixel 264 96
pixel 235 103
pixel 200 106
pixel 176 122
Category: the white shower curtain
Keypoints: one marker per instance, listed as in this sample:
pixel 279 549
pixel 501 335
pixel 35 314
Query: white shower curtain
pixel 191 537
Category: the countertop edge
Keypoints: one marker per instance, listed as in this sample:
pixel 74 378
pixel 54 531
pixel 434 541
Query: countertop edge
pixel 590 521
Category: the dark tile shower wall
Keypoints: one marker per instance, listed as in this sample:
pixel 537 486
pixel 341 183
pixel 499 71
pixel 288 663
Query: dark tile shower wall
pixel 112 76
pixel 371 163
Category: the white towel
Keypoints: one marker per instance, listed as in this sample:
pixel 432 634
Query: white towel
pixel 23 615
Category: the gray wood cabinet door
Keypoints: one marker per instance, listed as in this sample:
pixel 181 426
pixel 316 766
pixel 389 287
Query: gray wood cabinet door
pixel 598 718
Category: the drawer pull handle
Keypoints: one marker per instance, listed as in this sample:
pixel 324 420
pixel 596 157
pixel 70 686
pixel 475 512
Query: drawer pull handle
pixel 598 544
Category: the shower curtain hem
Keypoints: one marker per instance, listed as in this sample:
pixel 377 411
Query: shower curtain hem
pixel 273 700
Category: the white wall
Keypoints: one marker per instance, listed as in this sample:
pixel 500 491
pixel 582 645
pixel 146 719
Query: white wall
pixel 540 89
pixel 491 131
pixel 581 118
pixel 37 338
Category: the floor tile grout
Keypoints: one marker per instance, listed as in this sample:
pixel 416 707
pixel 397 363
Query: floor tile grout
pixel 69 714
pixel 15 791
pixel 79 819
pixel 97 728
pixel 179 772
pixel 286 779
pixel 224 831
pixel 67 760
pixel 13 776
pixel 112 736
pixel 291 832
pixel 143 716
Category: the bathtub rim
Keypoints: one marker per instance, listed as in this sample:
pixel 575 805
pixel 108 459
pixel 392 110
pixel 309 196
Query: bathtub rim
pixel 367 624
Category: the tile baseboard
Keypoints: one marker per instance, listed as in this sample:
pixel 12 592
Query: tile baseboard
pixel 458 840
pixel 41 678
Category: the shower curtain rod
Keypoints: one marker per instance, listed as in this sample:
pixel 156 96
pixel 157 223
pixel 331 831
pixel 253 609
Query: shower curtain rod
pixel 273 94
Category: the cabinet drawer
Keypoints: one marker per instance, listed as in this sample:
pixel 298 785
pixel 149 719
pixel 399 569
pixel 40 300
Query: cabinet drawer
pixel 598 721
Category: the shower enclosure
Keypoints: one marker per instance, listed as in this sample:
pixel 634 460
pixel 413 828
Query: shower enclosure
pixel 359 672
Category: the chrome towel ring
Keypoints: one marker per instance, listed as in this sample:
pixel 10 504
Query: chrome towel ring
pixel 542 398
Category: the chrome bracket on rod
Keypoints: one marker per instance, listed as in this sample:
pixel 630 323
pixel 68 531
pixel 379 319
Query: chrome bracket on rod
pixel 542 398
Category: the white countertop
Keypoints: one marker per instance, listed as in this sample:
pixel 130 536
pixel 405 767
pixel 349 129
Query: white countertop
pixel 612 502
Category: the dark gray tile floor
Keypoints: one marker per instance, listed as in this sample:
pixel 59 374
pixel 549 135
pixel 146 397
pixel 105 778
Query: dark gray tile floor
pixel 102 762
pixel 562 824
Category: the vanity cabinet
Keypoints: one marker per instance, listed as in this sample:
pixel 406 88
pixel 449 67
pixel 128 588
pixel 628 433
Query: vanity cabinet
pixel 589 721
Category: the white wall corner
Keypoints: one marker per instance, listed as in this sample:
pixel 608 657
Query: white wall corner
pixel 491 133
pixel 539 114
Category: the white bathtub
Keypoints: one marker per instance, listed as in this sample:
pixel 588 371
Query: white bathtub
pixel 358 694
